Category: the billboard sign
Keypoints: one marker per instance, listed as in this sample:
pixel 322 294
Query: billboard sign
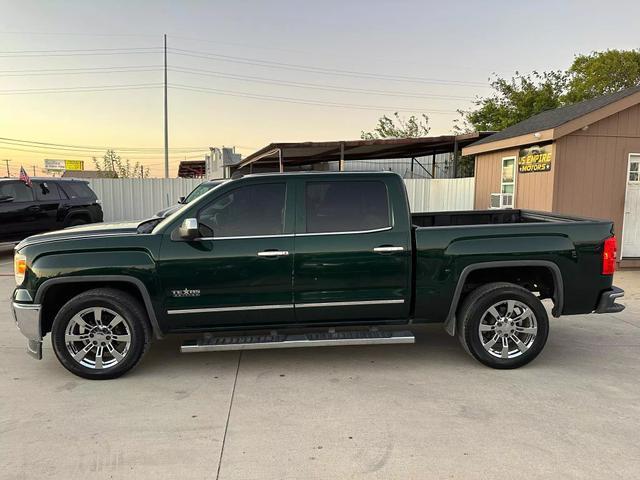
pixel 62 165
pixel 74 165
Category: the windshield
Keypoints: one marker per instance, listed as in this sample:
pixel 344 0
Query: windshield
pixel 148 225
pixel 199 190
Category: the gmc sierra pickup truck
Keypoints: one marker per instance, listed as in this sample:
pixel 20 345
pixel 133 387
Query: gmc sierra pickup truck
pixel 302 259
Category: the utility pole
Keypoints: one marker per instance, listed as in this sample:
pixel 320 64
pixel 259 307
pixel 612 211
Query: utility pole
pixel 6 160
pixel 166 121
pixel 34 170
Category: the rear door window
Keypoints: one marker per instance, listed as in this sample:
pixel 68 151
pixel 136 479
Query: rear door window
pixel 46 191
pixel 346 206
pixel 18 190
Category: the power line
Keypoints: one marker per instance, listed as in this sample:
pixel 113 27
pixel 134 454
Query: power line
pixel 230 93
pixel 274 98
pixel 321 70
pixel 100 147
pixel 235 44
pixel 216 74
pixel 97 88
pixel 92 34
pixel 97 153
pixel 77 50
pixel 332 88
pixel 61 53
pixel 82 155
pixel 78 71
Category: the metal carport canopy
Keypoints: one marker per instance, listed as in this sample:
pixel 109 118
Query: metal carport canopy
pixel 306 153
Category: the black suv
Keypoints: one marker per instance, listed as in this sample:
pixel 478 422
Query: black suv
pixel 49 204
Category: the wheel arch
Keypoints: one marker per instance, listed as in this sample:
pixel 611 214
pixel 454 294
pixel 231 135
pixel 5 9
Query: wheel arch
pixel 451 321
pixel 82 213
pixel 88 282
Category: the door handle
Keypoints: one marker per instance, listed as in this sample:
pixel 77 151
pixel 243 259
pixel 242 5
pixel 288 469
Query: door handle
pixel 273 253
pixel 33 208
pixel 387 249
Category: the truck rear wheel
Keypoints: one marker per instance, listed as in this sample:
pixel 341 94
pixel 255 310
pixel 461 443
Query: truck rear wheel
pixel 503 325
pixel 100 334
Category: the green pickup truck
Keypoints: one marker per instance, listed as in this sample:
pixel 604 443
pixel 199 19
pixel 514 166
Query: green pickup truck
pixel 309 259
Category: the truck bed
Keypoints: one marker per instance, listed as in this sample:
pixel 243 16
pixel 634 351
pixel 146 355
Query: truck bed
pixel 448 244
pixel 487 217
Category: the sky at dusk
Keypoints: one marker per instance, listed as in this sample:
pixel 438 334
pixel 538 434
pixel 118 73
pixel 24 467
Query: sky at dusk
pixel 250 73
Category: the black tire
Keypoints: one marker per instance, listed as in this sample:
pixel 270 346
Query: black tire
pixel 134 324
pixel 476 307
pixel 75 221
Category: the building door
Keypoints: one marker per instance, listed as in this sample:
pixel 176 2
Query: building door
pixel 631 227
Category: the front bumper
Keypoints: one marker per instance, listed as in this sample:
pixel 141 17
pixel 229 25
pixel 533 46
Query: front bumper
pixel 27 318
pixel 607 303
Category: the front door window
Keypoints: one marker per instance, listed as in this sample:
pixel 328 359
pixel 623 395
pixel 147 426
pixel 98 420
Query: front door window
pixel 252 210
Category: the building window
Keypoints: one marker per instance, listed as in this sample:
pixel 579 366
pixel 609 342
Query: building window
pixel 508 182
pixel 634 171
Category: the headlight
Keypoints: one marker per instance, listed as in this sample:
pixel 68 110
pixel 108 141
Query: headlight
pixel 19 267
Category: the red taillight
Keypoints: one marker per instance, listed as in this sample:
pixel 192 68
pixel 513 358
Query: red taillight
pixel 609 256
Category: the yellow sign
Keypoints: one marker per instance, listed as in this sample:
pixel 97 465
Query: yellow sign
pixel 534 159
pixel 74 165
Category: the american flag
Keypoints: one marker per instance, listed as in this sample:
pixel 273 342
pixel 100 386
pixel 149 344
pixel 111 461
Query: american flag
pixel 24 177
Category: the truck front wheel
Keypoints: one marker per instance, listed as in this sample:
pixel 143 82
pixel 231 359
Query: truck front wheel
pixel 100 334
pixel 503 325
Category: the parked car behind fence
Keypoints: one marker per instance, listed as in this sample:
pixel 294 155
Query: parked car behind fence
pixel 48 204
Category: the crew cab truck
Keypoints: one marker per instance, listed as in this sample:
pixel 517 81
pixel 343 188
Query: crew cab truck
pixel 304 259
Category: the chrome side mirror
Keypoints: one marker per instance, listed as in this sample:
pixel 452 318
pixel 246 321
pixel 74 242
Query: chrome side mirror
pixel 189 229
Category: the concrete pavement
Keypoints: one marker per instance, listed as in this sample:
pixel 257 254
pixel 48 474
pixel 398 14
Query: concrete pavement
pixel 408 411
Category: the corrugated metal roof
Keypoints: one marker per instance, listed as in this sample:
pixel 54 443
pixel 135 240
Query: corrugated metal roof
pixel 301 153
pixel 554 118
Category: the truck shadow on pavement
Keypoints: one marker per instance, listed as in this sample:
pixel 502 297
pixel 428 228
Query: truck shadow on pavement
pixel 433 348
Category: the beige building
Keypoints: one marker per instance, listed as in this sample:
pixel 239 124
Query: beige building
pixel 583 159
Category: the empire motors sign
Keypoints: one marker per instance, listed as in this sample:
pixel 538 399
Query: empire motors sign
pixel 534 159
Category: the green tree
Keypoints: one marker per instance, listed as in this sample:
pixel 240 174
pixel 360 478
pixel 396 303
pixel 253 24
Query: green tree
pixel 398 127
pixel 515 100
pixel 600 73
pixel 112 162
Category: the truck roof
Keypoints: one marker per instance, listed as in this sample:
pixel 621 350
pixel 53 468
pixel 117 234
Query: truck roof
pixel 48 179
pixel 319 173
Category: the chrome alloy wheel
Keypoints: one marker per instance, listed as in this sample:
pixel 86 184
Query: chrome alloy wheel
pixel 508 329
pixel 97 338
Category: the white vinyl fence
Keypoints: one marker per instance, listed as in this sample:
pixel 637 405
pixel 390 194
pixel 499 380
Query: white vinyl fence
pixel 137 199
pixel 440 194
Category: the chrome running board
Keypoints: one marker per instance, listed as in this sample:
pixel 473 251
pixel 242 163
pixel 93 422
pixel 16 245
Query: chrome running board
pixel 275 340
